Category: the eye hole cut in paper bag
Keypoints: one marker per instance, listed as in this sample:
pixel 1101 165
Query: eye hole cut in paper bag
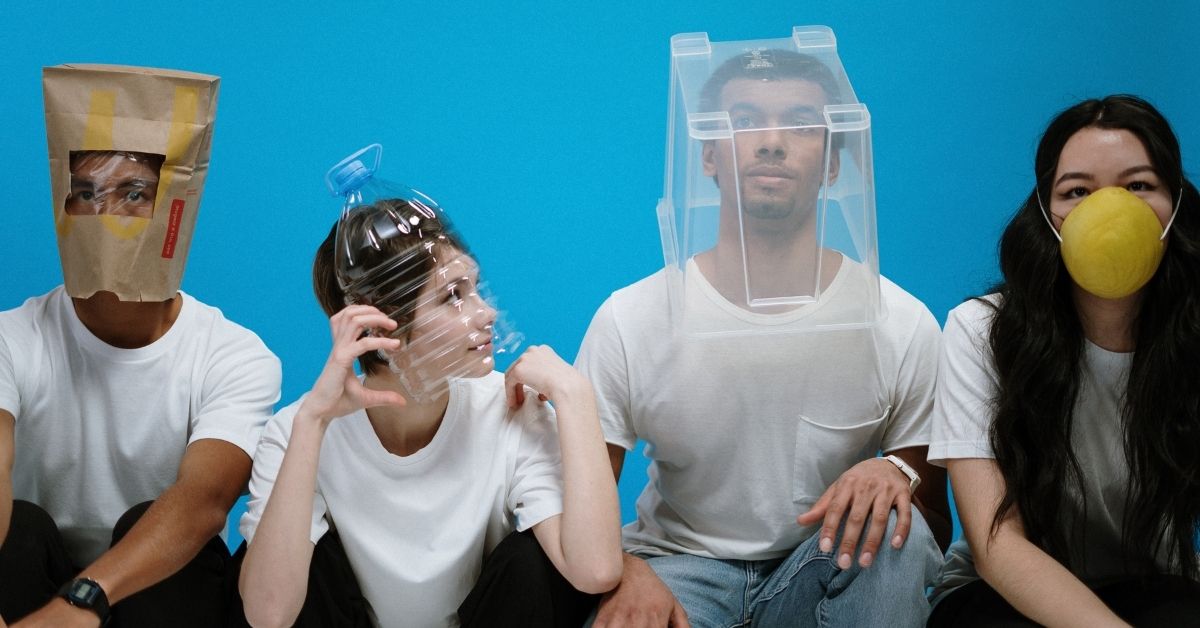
pixel 129 150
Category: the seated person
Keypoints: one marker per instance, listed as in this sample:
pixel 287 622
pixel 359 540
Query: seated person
pixel 1067 409
pixel 129 410
pixel 432 468
pixel 768 502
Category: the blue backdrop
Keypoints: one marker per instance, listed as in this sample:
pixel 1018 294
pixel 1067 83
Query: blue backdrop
pixel 542 128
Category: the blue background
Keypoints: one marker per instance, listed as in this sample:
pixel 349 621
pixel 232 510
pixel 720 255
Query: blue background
pixel 542 128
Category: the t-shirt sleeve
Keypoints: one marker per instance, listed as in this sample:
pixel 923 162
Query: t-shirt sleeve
pixel 602 360
pixel 912 404
pixel 267 460
pixel 239 391
pixel 962 413
pixel 535 491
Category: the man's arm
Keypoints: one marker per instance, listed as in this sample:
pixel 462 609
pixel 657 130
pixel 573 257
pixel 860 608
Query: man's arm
pixel 930 496
pixel 169 535
pixel 616 457
pixel 7 427
pixel 189 513
pixel 865 495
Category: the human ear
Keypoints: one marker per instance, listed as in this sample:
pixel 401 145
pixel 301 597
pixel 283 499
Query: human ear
pixel 835 166
pixel 706 158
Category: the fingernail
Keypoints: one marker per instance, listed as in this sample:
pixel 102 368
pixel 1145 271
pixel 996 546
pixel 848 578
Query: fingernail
pixel 865 559
pixel 897 541
pixel 844 561
pixel 826 545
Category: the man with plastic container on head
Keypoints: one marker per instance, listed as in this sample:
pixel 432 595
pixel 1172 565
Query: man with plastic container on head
pixel 768 365
pixel 129 410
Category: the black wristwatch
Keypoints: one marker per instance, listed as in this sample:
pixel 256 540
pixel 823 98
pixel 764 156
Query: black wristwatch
pixel 86 593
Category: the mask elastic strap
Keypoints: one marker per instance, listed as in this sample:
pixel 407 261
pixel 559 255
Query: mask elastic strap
pixel 1046 214
pixel 1174 213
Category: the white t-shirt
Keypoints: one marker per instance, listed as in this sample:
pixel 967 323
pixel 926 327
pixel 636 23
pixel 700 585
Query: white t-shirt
pixel 417 528
pixel 962 418
pixel 746 432
pixel 101 429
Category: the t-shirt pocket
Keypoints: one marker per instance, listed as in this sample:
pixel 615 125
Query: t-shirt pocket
pixel 825 449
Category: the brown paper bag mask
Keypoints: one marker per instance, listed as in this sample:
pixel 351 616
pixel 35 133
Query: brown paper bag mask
pixel 129 151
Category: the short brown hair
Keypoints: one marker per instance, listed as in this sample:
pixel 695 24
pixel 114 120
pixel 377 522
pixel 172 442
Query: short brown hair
pixel 403 257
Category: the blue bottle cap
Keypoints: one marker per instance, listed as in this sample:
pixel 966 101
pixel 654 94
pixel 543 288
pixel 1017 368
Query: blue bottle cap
pixel 350 173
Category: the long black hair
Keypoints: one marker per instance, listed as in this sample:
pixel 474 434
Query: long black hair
pixel 1037 344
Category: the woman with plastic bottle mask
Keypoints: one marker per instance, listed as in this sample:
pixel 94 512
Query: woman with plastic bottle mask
pixel 1067 410
pixel 452 493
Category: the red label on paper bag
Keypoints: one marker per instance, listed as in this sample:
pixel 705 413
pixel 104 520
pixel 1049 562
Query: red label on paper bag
pixel 173 228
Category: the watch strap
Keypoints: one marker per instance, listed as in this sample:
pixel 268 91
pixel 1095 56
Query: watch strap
pixel 914 480
pixel 87 594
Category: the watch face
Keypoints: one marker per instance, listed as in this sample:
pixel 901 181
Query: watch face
pixel 84 592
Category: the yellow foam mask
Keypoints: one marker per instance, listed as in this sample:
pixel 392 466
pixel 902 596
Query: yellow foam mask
pixel 1112 242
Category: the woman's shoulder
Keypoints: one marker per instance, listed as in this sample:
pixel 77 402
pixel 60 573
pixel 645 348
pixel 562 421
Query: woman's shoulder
pixel 280 424
pixel 477 393
pixel 976 313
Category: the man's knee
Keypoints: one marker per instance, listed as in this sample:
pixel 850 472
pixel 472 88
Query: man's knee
pixel 920 549
pixel 127 521
pixel 33 561
pixel 29 526
pixel 918 528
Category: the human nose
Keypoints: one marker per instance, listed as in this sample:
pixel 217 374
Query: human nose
pixel 771 144
pixel 484 315
pixel 102 202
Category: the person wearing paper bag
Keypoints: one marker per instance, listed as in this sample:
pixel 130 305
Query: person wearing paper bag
pixel 129 410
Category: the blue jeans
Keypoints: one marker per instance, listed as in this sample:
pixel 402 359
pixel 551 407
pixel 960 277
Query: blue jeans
pixel 807 588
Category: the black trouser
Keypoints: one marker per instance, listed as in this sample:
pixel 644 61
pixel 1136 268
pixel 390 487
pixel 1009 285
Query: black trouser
pixel 34 564
pixel 518 586
pixel 1158 601
pixel 333 599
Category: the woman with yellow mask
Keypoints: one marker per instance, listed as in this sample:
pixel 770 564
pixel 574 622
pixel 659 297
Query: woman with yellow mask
pixel 1068 404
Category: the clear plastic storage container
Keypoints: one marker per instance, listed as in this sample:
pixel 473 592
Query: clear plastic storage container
pixel 768 205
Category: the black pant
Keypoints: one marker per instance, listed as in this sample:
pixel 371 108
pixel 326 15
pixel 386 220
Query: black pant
pixel 518 586
pixel 34 564
pixel 1158 601
pixel 334 599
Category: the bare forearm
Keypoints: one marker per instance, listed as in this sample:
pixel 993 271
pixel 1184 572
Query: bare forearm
pixel 1028 578
pixel 591 520
pixel 5 505
pixel 7 454
pixel 167 537
pixel 1039 586
pixel 274 578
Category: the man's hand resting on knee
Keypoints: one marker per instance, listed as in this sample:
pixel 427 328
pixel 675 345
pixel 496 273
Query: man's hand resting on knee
pixel 640 600
pixel 864 496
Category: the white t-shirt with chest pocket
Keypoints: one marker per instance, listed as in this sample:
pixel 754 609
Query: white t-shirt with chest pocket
pixel 745 432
